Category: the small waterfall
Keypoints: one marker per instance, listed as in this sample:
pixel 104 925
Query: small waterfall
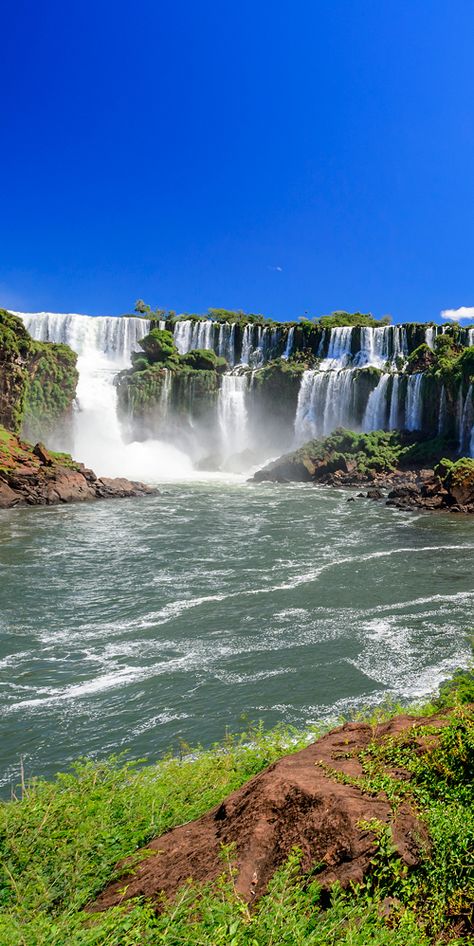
pixel 165 396
pixel 442 413
pixel 375 417
pixel 232 411
pixel 394 416
pixel 289 343
pixel 470 336
pixel 430 336
pixel 467 422
pixel 414 403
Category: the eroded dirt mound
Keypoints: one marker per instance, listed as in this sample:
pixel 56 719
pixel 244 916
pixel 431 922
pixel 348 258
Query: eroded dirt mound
pixel 296 801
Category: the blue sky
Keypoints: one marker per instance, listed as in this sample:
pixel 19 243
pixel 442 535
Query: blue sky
pixel 280 157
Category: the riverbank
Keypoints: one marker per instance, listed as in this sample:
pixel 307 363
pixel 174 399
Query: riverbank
pixel 62 839
pixel 34 476
pixel 409 474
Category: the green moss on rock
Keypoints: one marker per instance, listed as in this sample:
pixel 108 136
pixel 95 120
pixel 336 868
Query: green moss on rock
pixel 37 380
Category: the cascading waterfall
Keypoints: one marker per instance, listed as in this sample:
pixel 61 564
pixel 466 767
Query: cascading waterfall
pixel 467 421
pixel 339 350
pixel 394 415
pixel 329 395
pixel 289 342
pixel 232 412
pixel 414 403
pixel 379 345
pixel 103 345
pixel 442 413
pixel 375 417
pixel 324 403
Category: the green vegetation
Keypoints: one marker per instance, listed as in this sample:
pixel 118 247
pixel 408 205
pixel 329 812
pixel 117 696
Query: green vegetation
pixel 15 452
pixel 159 347
pixel 340 319
pixel 380 451
pixel 203 359
pixel 457 474
pixel 37 380
pixel 60 842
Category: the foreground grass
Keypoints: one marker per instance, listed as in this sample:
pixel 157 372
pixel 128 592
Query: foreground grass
pixel 59 844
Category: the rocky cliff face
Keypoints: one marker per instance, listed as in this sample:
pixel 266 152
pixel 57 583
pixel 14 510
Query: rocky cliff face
pixel 37 381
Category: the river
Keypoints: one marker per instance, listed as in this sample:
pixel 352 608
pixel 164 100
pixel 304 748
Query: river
pixel 138 624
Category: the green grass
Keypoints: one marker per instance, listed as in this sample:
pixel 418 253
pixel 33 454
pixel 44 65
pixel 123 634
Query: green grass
pixel 60 841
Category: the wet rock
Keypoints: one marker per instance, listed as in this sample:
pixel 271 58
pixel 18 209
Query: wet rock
pixel 374 494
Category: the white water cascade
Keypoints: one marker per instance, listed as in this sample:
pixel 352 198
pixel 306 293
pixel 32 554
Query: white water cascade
pixel 289 343
pixel 375 417
pixel 324 403
pixel 414 403
pixel 103 345
pixel 467 422
pixel 394 415
pixel 232 411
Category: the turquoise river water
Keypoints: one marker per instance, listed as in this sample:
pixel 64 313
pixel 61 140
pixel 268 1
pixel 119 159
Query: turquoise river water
pixel 132 625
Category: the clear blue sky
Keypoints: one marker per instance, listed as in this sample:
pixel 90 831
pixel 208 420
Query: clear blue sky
pixel 280 157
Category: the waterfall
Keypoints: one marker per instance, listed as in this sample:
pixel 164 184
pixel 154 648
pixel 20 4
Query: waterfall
pixel 232 412
pixel 379 345
pixel 226 342
pixel 110 336
pixel 470 336
pixel 442 413
pixel 289 343
pixel 340 347
pixel 467 422
pixel 394 416
pixel 414 403
pixel 375 417
pixel 430 336
pixel 103 345
pixel 324 403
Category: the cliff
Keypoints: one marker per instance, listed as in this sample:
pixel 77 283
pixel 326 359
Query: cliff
pixel 37 381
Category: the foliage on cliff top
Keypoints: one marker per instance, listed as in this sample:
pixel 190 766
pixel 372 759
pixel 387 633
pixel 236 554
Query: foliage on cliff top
pixel 379 451
pixel 341 319
pixel 61 840
pixel 160 350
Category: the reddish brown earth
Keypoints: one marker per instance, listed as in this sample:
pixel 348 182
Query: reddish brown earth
pixel 35 476
pixel 297 801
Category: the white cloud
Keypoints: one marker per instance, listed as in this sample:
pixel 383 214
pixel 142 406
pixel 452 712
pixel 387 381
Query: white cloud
pixel 276 269
pixel 457 315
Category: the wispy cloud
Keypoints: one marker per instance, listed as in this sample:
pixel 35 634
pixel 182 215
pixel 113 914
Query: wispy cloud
pixel 276 269
pixel 457 315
